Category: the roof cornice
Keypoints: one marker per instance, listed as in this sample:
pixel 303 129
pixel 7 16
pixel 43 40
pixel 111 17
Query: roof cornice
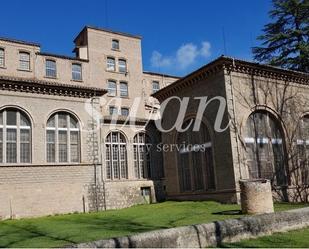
pixel 6 39
pixel 232 65
pixel 48 88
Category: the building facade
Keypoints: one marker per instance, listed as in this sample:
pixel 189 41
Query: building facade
pixel 267 136
pixel 73 129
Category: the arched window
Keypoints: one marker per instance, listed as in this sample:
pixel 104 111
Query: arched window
pixel 265 151
pixel 116 156
pixel 303 149
pixel 62 139
pixel 142 147
pixel 15 137
pixel 196 170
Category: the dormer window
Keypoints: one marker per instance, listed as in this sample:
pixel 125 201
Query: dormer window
pixel 24 61
pixel 115 44
pixel 2 59
pixel 122 64
pixel 51 69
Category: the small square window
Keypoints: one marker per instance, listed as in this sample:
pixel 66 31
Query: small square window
pixel 115 44
pixel 113 110
pixel 124 111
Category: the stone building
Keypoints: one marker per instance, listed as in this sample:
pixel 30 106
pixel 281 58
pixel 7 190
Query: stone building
pixel 80 133
pixel 268 136
pixel 56 158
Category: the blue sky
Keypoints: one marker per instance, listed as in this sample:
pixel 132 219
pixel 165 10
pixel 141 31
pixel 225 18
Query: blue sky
pixel 178 36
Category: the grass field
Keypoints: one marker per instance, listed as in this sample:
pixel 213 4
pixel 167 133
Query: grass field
pixel 57 231
pixel 294 239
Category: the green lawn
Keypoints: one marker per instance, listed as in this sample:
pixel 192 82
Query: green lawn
pixel 296 239
pixel 57 231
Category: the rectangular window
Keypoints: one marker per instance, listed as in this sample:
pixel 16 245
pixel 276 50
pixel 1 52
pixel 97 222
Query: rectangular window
pixel 24 61
pixel 11 145
pixel 63 146
pixel 25 146
pixel 155 86
pixel 74 146
pixel 123 89
pixel 125 111
pixel 51 146
pixel 115 44
pixel 112 88
pixel 76 71
pixel 50 69
pixel 2 59
pixel 113 110
pixel 111 66
pixel 122 64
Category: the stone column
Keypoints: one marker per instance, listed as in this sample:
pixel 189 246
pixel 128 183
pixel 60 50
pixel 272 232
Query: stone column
pixel 256 196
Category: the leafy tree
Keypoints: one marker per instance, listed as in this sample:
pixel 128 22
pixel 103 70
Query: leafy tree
pixel 286 39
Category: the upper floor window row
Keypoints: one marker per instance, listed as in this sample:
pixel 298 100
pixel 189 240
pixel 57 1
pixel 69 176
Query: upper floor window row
pixel 50 65
pixel 122 65
pixel 51 70
pixel 112 88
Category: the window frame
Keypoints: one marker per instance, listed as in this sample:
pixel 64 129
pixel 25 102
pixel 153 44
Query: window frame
pixel 154 90
pixel 3 57
pixel 118 44
pixel 113 107
pixel 18 128
pixel 121 66
pixel 109 161
pixel 142 164
pixel 264 147
pixel 121 91
pixel 22 60
pixel 81 71
pixel 109 88
pixel 54 76
pixel 125 108
pixel 68 129
pixel 108 65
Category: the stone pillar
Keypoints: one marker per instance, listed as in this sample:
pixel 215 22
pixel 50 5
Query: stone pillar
pixel 256 196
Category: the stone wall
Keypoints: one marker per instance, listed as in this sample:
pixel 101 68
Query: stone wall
pixel 211 234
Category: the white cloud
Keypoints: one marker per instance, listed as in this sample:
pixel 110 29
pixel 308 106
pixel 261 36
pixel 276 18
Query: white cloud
pixel 157 60
pixel 185 56
pixel 205 50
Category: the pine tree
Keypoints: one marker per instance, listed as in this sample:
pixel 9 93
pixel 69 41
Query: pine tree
pixel 286 39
